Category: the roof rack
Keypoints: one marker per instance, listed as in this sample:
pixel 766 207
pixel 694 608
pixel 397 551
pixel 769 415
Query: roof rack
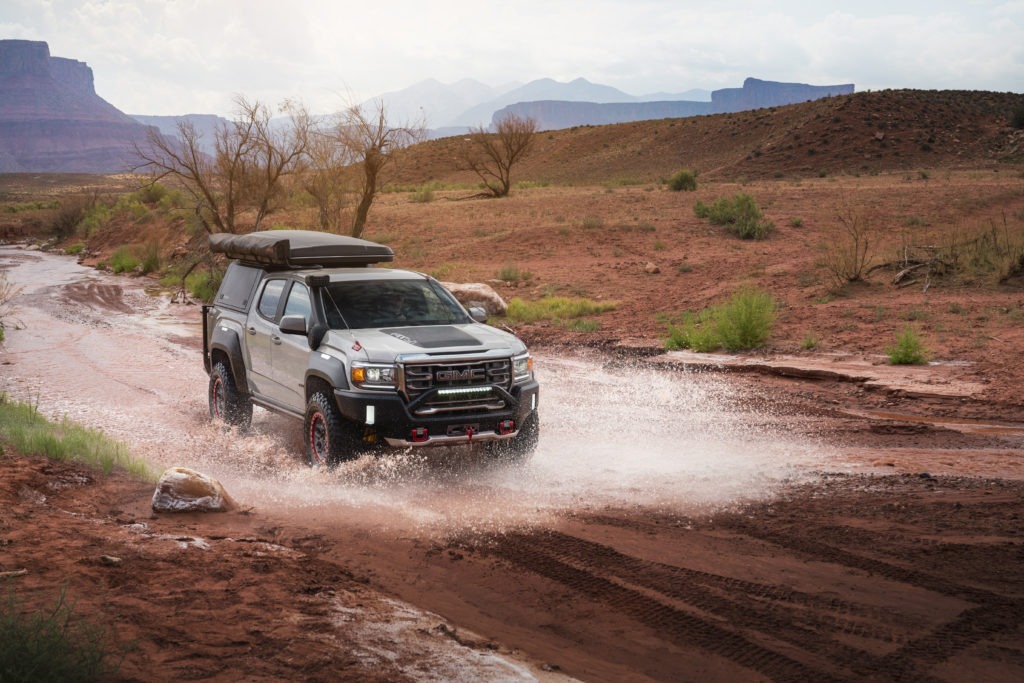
pixel 300 249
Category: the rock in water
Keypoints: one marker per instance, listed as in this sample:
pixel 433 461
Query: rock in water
pixel 183 490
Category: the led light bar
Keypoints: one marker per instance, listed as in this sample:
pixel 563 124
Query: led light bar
pixel 463 391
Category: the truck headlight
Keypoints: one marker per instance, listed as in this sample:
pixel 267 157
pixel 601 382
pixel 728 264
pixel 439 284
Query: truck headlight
pixel 373 376
pixel 522 367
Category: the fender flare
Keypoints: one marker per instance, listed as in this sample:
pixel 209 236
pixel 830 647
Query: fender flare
pixel 330 369
pixel 226 341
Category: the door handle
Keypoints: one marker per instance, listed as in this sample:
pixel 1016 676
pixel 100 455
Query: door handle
pixel 252 330
pixel 276 340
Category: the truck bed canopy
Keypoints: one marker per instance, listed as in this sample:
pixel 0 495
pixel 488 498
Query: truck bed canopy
pixel 299 249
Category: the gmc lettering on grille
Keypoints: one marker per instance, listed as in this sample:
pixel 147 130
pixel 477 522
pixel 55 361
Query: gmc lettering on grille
pixel 466 375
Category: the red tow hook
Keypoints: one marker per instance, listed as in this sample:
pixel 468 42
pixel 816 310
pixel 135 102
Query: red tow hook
pixel 469 433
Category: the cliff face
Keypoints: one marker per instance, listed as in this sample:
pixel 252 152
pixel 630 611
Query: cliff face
pixel 755 94
pixel 52 120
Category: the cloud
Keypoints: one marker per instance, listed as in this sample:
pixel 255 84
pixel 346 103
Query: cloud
pixel 181 56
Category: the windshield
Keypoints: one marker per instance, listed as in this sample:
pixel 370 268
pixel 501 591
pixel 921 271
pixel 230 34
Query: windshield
pixel 365 304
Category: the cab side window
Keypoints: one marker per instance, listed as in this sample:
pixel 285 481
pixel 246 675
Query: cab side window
pixel 270 298
pixel 298 302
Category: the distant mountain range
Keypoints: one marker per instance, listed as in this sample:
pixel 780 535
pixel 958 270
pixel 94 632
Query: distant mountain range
pixel 52 120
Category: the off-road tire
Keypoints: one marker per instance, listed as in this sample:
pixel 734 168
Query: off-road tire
pixel 330 438
pixel 227 403
pixel 520 448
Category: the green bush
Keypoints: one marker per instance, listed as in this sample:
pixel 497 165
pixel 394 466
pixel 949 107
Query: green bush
pixel 740 215
pixel 908 350
pixel 51 644
pixel 123 260
pixel 683 180
pixel 744 322
pixel 203 285
pixel 152 193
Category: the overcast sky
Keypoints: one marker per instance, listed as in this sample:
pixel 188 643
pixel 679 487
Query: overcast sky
pixel 192 56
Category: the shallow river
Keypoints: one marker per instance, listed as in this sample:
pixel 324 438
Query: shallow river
pixel 102 351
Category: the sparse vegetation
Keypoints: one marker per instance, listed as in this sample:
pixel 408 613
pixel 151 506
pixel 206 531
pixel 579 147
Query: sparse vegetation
pixel 848 258
pixel 684 180
pixel 28 432
pixel 739 214
pixel 556 308
pixel 8 292
pixel 742 323
pixel 123 260
pixel 511 272
pixel 908 349
pixel 52 644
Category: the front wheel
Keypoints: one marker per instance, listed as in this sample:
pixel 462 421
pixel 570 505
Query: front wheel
pixel 519 448
pixel 227 403
pixel 330 438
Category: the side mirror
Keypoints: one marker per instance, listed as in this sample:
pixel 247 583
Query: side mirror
pixel 478 314
pixel 293 324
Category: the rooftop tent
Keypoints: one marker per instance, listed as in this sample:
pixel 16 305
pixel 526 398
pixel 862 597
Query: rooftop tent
pixel 300 249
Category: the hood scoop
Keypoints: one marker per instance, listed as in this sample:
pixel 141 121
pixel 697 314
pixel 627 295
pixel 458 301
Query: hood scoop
pixel 433 337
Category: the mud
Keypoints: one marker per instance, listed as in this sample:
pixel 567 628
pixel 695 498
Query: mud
pixel 701 526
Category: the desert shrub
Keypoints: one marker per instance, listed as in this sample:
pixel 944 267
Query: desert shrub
pixel 152 193
pixel 994 250
pixel 592 222
pixel 511 272
pixel 683 180
pixel 848 258
pixel 1017 119
pixel 51 644
pixel 908 349
pixel 583 325
pixel 8 292
pixel 69 215
pixel 74 249
pixel 744 322
pixel 424 195
pixel 150 257
pixel 123 260
pixel 740 215
pixel 810 342
pixel 203 284
pixel 555 308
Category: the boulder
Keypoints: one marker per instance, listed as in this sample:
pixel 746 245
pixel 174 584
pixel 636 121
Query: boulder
pixel 478 294
pixel 183 490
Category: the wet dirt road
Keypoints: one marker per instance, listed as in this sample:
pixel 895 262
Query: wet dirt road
pixel 672 526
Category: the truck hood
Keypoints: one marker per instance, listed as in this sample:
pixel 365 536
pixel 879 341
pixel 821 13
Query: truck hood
pixel 384 345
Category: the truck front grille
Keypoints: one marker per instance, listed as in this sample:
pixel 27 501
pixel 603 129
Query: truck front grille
pixel 461 386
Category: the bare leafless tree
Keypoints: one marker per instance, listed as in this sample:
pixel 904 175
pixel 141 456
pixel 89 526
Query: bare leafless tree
pixel 492 155
pixel 331 180
pixel 370 142
pixel 247 170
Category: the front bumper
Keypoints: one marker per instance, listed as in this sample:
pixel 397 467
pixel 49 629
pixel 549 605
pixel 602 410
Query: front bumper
pixel 391 419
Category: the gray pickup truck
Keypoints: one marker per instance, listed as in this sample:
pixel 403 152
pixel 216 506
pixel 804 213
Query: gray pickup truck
pixel 366 357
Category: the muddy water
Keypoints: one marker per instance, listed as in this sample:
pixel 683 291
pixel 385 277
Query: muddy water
pixel 103 352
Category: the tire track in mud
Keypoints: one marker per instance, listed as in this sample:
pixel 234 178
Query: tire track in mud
pixel 993 614
pixel 552 555
pixel 802 619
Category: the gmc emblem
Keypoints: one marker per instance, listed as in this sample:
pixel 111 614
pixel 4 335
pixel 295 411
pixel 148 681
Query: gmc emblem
pixel 467 375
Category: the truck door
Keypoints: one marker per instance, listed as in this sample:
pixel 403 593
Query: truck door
pixel 260 326
pixel 290 352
